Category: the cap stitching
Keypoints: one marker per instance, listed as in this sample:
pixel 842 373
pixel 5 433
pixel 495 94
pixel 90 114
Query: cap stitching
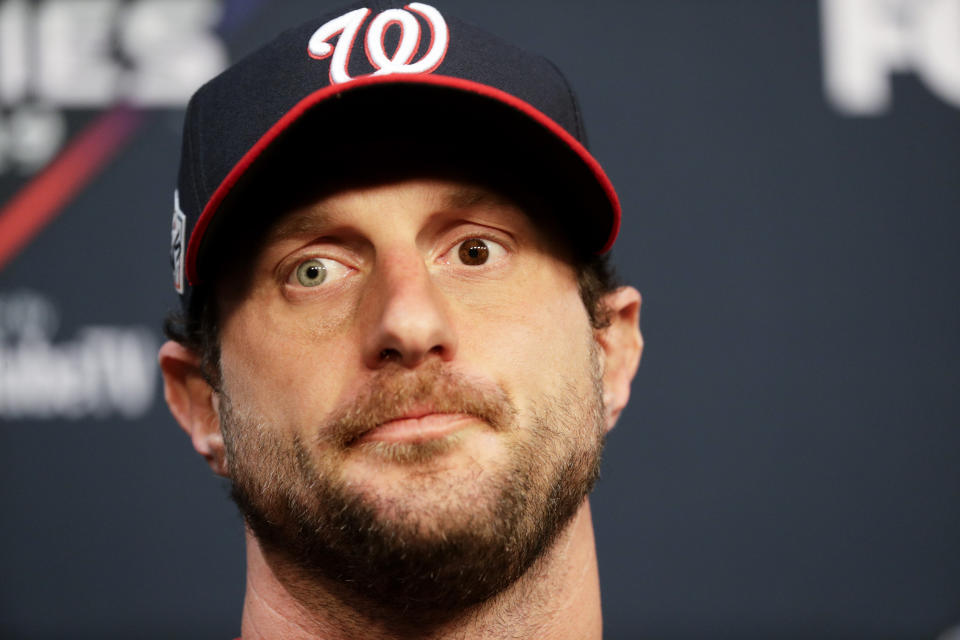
pixel 201 174
pixel 195 175
pixel 578 122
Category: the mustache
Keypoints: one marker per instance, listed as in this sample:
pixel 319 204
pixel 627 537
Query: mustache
pixel 394 392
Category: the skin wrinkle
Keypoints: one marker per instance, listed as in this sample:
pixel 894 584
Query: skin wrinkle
pixel 282 620
pixel 277 614
pixel 321 219
pixel 553 610
pixel 536 591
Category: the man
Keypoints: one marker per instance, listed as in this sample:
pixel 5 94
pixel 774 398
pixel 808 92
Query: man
pixel 400 339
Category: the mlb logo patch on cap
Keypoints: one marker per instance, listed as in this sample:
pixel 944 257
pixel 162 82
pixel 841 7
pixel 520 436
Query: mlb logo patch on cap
pixel 177 247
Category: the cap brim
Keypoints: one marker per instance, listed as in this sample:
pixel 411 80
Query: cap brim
pixel 515 126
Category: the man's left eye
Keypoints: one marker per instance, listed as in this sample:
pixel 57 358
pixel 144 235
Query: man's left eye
pixel 478 251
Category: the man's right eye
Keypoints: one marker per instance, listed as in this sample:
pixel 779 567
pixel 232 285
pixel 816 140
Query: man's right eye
pixel 313 272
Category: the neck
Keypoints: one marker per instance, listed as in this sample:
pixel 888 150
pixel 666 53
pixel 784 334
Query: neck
pixel 557 599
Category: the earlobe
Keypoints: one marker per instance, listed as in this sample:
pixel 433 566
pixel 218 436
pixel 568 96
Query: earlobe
pixel 193 402
pixel 622 345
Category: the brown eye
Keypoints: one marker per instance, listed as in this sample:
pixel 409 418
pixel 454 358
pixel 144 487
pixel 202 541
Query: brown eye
pixel 474 252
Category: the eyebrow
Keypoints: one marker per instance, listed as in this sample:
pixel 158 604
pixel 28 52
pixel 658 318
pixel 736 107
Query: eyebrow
pixel 469 197
pixel 313 221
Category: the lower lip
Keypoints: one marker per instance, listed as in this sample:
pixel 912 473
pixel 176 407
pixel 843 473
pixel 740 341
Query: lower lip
pixel 422 429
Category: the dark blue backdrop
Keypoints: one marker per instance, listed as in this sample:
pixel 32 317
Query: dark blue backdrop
pixel 789 465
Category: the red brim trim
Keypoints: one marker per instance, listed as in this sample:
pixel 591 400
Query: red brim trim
pixel 312 100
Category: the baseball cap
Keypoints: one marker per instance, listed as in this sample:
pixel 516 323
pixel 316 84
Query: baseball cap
pixel 378 71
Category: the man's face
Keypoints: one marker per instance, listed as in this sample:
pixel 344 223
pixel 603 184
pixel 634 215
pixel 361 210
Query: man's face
pixel 411 392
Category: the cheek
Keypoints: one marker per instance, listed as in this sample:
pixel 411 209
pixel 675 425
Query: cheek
pixel 534 335
pixel 285 366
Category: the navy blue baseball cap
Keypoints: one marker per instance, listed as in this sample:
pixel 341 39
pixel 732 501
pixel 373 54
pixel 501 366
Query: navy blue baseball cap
pixel 356 73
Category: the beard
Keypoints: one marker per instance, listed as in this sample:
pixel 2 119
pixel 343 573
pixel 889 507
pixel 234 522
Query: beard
pixel 440 541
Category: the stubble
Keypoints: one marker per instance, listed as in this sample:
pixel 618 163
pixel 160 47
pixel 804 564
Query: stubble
pixel 429 559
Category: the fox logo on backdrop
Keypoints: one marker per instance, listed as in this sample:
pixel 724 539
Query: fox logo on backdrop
pixel 865 42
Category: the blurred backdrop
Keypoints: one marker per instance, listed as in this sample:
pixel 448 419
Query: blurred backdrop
pixel 789 466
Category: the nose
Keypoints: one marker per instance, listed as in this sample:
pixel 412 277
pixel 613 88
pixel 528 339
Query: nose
pixel 409 316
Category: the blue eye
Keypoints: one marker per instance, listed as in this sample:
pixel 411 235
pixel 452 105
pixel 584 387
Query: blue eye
pixel 313 271
pixel 310 273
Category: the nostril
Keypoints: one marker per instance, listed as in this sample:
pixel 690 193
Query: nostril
pixel 390 354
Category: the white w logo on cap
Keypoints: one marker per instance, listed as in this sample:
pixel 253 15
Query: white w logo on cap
pixel 401 61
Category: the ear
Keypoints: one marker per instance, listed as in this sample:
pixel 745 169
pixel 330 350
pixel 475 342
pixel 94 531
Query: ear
pixel 193 402
pixel 621 346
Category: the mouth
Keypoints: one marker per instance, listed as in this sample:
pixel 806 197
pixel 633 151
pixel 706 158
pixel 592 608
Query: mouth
pixel 417 426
